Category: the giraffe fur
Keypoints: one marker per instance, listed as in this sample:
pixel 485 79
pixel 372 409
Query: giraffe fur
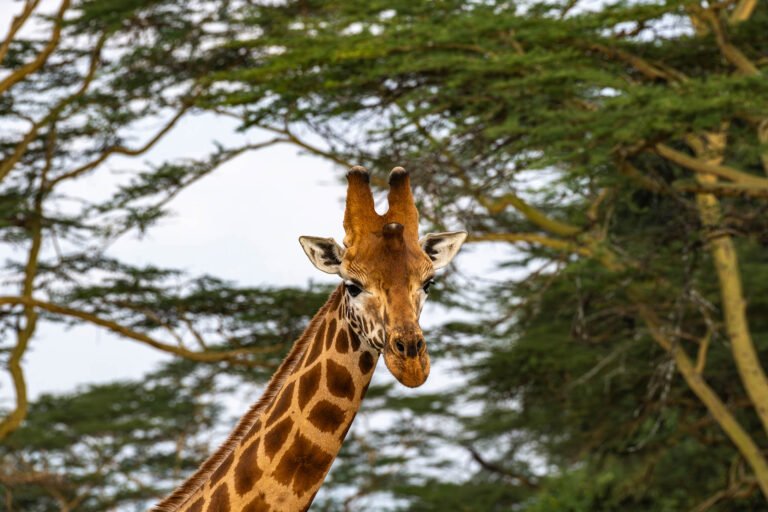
pixel 280 452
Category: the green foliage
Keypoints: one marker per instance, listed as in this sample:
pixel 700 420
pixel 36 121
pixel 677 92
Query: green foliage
pixel 555 396
pixel 562 107
pixel 103 446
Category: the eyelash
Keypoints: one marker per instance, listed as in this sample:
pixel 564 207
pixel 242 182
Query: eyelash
pixel 353 289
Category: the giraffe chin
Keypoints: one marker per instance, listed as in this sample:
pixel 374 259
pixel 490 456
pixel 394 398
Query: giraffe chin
pixel 410 371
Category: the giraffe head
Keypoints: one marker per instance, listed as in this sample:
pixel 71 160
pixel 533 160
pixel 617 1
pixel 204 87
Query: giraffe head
pixel 387 271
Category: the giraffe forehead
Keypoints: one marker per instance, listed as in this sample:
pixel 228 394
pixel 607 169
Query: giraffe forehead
pixel 386 265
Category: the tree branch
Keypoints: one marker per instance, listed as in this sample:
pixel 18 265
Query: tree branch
pixel 720 189
pixel 731 53
pixel 738 436
pixel 236 356
pixel 701 166
pixel 652 71
pixel 711 147
pixel 7 165
pixel 740 489
pixel 701 355
pixel 495 468
pixel 533 238
pixel 743 11
pixel 176 191
pixel 30 67
pixel 13 420
pixel 633 173
pixel 16 24
pixel 290 137
pixel 762 137
pixel 554 226
pixel 121 150
pixel 30 478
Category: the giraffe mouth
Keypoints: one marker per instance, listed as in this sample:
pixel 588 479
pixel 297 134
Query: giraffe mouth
pixel 407 362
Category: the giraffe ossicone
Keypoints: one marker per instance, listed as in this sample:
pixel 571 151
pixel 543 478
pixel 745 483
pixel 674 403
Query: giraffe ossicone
pixel 278 455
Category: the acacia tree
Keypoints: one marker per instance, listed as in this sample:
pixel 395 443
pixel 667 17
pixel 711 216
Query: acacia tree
pixel 78 87
pixel 619 149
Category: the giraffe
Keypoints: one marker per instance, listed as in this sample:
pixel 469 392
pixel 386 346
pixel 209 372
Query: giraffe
pixel 279 453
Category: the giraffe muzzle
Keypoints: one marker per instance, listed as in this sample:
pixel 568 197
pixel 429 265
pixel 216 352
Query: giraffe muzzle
pixel 407 359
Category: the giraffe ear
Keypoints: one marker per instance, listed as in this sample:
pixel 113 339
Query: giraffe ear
pixel 324 253
pixel 442 247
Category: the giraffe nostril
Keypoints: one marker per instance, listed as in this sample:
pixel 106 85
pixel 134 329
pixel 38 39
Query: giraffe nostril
pixel 400 347
pixel 420 345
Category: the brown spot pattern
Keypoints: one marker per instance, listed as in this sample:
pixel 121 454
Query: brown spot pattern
pixel 222 469
pixel 247 471
pixel 327 417
pixel 277 436
pixel 303 466
pixel 340 381
pixel 308 384
pixel 366 362
pixel 330 333
pixel 258 504
pixel 342 341
pixel 219 500
pixel 197 506
pixel 355 339
pixel 282 404
pixel 317 345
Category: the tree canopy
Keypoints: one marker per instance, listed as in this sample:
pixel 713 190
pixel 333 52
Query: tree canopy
pixel 619 150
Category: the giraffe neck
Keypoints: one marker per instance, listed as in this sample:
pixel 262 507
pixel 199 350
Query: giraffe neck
pixel 277 457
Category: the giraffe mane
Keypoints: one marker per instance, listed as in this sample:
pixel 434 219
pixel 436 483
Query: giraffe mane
pixel 182 493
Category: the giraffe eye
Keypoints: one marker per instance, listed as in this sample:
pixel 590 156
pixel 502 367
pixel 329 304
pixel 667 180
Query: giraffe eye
pixel 353 289
pixel 427 285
